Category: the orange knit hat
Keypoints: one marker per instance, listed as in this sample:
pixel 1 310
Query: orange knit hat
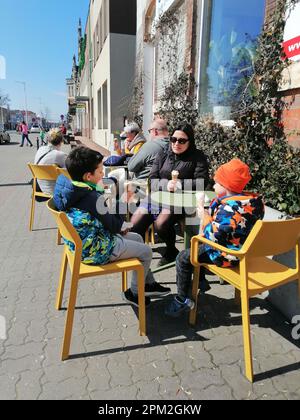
pixel 233 175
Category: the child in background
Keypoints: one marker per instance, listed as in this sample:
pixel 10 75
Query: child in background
pixel 42 136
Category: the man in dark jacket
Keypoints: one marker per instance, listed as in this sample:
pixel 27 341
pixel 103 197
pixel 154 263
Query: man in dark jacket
pixel 141 163
pixel 103 238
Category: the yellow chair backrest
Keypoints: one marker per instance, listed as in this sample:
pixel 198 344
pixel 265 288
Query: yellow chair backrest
pixel 44 172
pixel 63 171
pixel 272 238
pixel 64 225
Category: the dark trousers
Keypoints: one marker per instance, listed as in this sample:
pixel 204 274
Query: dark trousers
pixel 164 226
pixel 25 136
pixel 184 271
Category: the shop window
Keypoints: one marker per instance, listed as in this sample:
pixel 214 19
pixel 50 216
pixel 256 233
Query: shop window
pixel 227 55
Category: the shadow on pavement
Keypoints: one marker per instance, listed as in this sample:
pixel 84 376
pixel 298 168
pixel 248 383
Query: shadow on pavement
pixel 213 312
pixel 20 184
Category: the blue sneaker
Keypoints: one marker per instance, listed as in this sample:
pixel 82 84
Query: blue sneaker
pixel 178 307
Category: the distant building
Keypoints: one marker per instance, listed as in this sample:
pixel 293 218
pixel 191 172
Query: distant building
pixel 16 116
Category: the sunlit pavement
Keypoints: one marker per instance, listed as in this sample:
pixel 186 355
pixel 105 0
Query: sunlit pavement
pixel 112 362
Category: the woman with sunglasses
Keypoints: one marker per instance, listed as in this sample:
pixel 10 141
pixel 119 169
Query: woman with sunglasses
pixel 191 164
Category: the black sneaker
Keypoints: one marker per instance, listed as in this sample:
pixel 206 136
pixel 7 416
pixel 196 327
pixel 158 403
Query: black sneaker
pixel 204 286
pixel 156 289
pixel 129 297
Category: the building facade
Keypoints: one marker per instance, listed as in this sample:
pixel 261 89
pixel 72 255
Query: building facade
pixel 103 79
pixel 214 42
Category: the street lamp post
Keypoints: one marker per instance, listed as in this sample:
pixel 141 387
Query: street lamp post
pixel 25 95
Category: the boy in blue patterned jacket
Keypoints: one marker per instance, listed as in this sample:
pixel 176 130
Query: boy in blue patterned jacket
pixel 103 240
pixel 228 222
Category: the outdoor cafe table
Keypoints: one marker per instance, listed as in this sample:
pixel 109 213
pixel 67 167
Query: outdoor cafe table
pixel 181 200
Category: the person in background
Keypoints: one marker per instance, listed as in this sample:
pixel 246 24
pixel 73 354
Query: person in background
pixel 24 131
pixel 228 222
pixel 42 136
pixel 63 129
pixel 141 163
pixel 51 155
pixel 134 138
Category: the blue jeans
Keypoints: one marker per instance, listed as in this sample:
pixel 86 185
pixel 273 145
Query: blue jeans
pixel 25 136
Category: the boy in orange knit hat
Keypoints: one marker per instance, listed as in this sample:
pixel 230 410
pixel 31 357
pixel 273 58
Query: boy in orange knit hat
pixel 228 222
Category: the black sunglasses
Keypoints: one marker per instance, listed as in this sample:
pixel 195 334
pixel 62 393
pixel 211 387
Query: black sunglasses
pixel 180 141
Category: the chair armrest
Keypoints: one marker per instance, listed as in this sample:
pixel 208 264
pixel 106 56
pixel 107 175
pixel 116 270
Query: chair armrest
pixel 195 249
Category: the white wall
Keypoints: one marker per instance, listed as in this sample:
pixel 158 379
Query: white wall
pixel 148 86
pixel 122 49
pixel 100 74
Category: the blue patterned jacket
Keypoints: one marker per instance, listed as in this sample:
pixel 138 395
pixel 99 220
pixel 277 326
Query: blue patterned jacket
pixel 229 223
pixel 96 229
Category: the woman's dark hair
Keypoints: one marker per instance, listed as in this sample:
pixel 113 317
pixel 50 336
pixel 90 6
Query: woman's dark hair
pixel 188 130
pixel 82 160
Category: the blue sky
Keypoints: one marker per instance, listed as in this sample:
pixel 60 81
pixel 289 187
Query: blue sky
pixel 38 39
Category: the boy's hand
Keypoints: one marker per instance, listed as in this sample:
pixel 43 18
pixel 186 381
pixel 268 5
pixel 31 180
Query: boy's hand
pixel 124 232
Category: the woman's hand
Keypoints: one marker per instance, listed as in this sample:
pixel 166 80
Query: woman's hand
pixel 173 186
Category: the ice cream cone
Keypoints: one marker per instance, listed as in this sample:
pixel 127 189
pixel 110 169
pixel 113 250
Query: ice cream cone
pixel 175 175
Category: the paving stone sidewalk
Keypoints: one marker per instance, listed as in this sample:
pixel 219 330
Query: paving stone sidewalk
pixel 110 360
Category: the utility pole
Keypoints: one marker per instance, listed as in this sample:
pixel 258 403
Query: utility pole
pixel 25 95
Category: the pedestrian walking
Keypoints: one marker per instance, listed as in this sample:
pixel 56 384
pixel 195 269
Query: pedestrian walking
pixel 42 137
pixel 24 132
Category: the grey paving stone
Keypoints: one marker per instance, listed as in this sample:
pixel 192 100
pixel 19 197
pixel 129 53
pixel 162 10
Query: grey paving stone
pixel 110 360
pixel 147 391
pixel 213 393
pixel 120 393
pixel 29 386
pixel 201 379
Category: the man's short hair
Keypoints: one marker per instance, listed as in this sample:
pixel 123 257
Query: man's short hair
pixel 160 125
pixel 82 160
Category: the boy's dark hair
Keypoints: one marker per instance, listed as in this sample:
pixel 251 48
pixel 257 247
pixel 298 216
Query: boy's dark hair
pixel 82 160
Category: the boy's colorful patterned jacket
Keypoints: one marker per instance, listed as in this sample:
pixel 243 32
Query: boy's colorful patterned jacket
pixel 97 229
pixel 229 223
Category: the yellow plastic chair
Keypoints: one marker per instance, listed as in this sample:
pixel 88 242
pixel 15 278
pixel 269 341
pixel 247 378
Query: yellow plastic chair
pixel 150 235
pixel 43 172
pixel 80 271
pixel 256 272
pixel 63 171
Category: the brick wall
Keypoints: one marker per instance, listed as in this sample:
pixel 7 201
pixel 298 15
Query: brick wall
pixel 270 6
pixel 291 116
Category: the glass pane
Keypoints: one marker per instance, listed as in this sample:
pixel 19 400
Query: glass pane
pixel 227 59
